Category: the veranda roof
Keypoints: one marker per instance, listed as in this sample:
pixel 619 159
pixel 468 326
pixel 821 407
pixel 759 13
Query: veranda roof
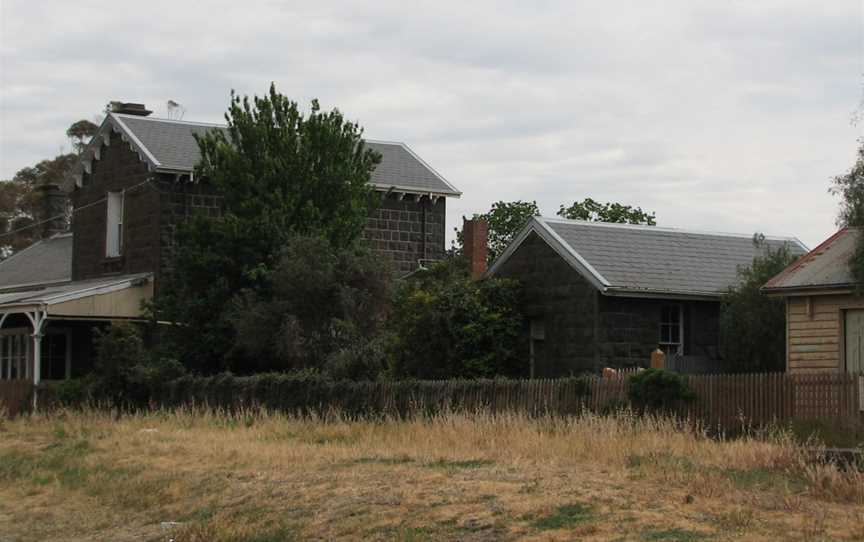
pixel 104 298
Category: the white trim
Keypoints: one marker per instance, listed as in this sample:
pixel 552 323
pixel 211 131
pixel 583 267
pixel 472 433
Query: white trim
pixel 680 343
pixel 384 187
pixel 129 135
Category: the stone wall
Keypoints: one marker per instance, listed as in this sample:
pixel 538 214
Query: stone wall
pixel 629 329
pixel 584 330
pixel 406 231
pixel 119 169
pixel 178 200
pixel 564 304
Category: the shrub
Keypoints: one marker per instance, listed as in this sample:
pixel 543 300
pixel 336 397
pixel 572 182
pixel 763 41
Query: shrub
pixel 74 392
pixel 657 389
pixel 753 325
pixel 324 310
pixel 445 325
pixel 124 374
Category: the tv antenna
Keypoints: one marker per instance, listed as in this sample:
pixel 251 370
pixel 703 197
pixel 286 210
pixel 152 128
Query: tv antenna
pixel 175 110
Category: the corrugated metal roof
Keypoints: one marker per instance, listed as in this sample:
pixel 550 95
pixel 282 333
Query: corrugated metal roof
pixel 45 262
pixel 826 266
pixel 628 259
pixel 171 145
pixel 70 290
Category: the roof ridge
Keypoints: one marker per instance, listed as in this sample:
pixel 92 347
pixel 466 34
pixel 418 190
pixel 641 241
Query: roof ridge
pixel 171 121
pixel 668 229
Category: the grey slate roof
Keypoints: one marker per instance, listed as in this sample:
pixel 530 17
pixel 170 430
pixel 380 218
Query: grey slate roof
pixel 826 266
pixel 48 261
pixel 169 145
pixel 624 259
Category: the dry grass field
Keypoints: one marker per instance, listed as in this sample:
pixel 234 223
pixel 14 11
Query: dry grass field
pixel 268 477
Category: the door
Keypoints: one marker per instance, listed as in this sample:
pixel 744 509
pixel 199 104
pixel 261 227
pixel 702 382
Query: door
pixel 854 332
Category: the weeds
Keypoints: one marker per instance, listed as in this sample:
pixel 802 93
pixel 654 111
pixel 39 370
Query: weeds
pixel 258 475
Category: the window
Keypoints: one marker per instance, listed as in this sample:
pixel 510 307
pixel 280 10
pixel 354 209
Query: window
pixel 671 329
pixel 14 355
pixel 538 338
pixel 55 356
pixel 114 224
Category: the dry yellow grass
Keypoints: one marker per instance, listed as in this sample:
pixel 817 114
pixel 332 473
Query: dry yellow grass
pixel 260 477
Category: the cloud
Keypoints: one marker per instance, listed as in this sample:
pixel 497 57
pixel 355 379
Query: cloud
pixel 717 115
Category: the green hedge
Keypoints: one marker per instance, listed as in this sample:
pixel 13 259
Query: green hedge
pixel 314 394
pixel 311 393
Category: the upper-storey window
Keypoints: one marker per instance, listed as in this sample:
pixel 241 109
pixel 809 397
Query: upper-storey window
pixel 114 224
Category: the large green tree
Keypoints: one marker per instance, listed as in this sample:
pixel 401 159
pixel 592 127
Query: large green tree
pixel 281 173
pixel 594 211
pixel 753 325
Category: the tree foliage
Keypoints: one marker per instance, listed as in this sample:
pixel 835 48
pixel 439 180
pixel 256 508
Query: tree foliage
pixel 281 173
pixel 445 325
pixel 594 211
pixel 753 325
pixel 325 311
pixel 21 202
pixel 124 373
pixel 850 188
pixel 505 219
pixel 80 133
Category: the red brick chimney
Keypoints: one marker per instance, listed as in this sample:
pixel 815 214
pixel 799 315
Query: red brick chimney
pixel 475 236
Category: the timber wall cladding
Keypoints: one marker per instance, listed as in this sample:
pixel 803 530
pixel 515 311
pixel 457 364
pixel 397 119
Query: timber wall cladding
pixel 815 332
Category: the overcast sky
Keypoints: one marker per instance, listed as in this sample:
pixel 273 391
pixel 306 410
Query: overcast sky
pixel 718 115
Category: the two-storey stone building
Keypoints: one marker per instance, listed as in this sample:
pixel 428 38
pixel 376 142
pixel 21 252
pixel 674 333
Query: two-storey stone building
pixel 136 183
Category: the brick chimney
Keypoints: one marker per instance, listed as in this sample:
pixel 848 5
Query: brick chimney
pixel 128 108
pixel 475 236
pixel 53 209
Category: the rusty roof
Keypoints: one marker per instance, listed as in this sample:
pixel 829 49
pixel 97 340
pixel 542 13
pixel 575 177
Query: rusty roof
pixel 826 266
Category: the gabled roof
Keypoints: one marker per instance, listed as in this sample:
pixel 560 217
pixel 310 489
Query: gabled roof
pixel 48 261
pixel 631 260
pixel 170 146
pixel 824 267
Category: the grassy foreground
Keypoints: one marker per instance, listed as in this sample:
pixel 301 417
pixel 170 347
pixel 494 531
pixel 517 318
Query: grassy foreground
pixel 262 477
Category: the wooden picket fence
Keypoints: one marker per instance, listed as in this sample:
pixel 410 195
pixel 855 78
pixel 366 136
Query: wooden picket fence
pixel 732 401
pixel 727 402
pixel 15 396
